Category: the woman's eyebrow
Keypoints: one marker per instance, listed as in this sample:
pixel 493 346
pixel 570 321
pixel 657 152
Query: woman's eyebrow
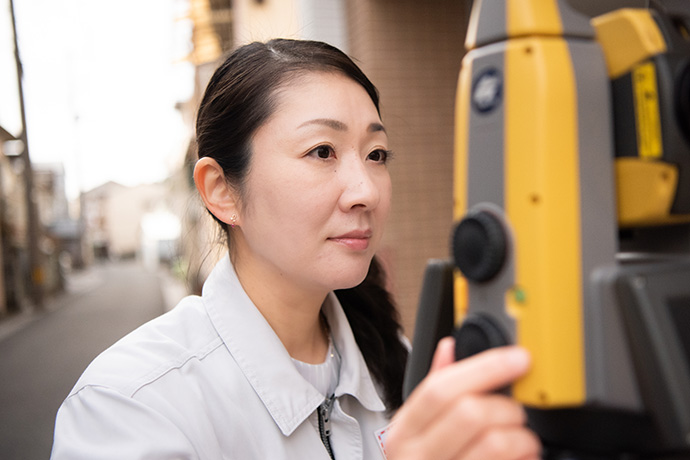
pixel 375 127
pixel 329 122
pixel 339 125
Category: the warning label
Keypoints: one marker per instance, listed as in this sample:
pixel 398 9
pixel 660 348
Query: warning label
pixel 647 111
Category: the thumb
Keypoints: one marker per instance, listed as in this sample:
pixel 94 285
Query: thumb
pixel 444 354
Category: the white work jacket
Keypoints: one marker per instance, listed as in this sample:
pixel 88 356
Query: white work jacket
pixel 211 380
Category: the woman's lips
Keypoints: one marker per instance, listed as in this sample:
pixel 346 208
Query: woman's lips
pixel 357 240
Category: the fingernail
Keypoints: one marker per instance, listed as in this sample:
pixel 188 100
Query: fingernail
pixel 519 357
pixel 447 342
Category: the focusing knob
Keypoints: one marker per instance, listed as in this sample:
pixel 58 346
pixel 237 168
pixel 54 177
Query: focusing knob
pixel 478 333
pixel 479 246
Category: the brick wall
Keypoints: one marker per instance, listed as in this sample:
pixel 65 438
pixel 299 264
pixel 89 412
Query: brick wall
pixel 412 50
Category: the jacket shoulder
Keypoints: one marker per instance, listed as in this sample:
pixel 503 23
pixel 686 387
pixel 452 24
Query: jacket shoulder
pixel 167 342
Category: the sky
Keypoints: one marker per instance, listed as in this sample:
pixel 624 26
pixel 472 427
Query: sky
pixel 101 80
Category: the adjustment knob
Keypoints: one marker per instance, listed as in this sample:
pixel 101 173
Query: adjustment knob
pixel 479 246
pixel 478 333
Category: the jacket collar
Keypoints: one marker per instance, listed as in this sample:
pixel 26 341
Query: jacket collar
pixel 265 362
pixel 355 378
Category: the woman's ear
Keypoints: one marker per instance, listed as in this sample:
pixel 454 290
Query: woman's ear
pixel 217 194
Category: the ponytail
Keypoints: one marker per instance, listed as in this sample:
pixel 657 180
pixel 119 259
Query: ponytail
pixel 375 323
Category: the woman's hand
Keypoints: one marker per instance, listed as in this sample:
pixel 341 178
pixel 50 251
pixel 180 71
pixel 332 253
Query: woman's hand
pixel 453 413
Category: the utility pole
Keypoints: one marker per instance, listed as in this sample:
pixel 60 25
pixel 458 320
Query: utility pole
pixel 33 229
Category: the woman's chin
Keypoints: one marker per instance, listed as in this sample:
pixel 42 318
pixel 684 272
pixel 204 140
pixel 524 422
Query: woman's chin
pixel 352 279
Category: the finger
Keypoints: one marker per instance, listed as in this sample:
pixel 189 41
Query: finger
pixel 444 354
pixel 505 444
pixel 480 373
pixel 465 421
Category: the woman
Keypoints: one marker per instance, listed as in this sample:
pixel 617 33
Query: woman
pixel 294 350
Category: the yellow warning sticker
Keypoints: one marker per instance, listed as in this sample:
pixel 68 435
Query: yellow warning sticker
pixel 647 111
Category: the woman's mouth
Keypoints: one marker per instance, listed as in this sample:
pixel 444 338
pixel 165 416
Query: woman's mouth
pixel 357 240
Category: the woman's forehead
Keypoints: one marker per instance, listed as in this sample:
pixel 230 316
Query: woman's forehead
pixel 316 94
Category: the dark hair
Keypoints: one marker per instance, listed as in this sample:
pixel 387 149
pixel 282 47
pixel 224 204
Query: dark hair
pixel 239 98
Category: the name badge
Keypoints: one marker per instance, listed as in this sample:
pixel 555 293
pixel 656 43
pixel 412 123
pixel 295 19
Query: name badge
pixel 381 440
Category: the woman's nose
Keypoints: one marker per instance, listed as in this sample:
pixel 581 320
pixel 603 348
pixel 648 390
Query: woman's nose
pixel 360 187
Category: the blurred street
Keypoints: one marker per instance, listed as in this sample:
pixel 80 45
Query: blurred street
pixel 42 355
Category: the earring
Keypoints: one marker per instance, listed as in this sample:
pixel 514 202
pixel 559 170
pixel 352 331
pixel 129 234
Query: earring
pixel 233 219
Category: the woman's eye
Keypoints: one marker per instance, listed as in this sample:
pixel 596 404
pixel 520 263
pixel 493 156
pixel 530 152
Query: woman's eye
pixel 323 152
pixel 379 155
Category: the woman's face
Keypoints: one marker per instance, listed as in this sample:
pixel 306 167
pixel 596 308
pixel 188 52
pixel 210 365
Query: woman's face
pixel 318 191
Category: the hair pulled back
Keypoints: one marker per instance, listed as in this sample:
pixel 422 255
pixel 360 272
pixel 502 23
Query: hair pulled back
pixel 239 98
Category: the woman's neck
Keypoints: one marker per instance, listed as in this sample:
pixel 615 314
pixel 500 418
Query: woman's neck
pixel 294 314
